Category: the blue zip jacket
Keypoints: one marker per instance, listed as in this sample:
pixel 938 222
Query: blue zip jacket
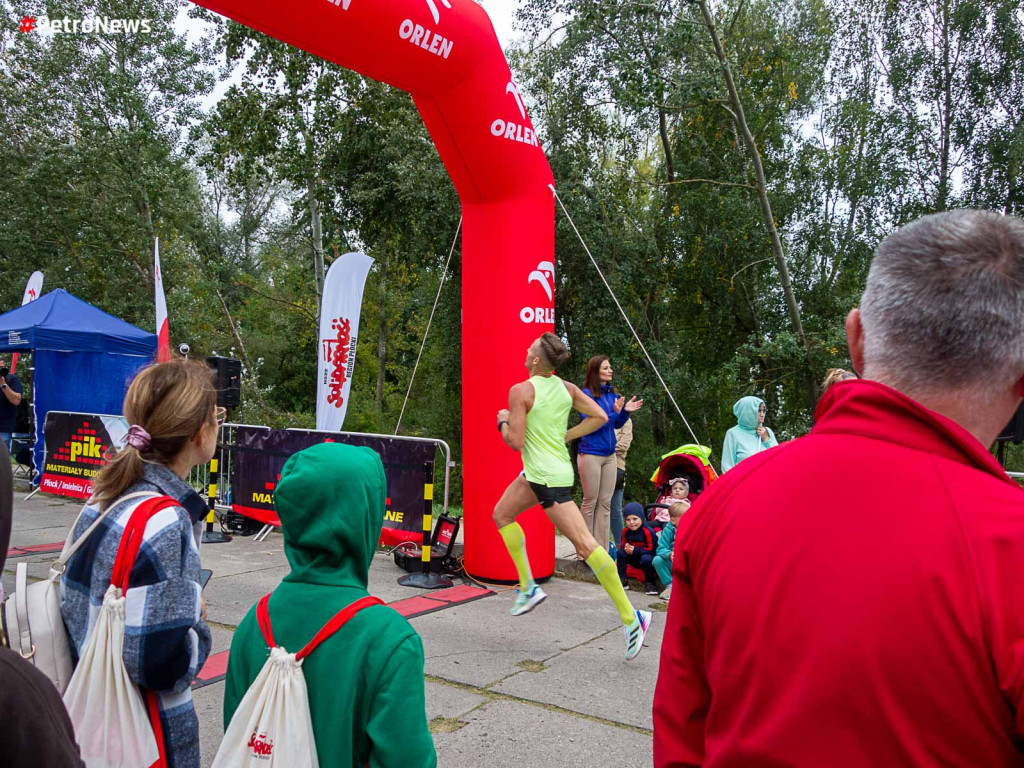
pixel 602 442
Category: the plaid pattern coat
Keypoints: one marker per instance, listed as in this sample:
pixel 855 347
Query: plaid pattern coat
pixel 166 642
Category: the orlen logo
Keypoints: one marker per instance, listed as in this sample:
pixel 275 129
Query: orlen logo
pixel 262 747
pixel 510 129
pixel 338 353
pixel 343 3
pixel 545 275
pixel 31 294
pixel 427 39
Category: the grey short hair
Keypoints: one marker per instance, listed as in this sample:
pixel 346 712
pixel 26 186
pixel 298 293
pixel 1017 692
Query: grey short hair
pixel 944 305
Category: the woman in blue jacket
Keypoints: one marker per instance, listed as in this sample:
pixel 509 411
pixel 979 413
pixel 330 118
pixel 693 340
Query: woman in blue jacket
pixel 596 459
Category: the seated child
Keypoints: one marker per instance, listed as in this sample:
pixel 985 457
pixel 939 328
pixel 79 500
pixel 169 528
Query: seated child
pixel 365 682
pixel 638 544
pixel 678 493
pixel 666 543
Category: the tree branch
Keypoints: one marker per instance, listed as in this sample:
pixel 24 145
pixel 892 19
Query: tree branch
pixel 301 309
pixel 699 181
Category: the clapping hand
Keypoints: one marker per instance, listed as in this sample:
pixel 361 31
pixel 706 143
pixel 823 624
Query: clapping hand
pixel 633 404
pixel 629 549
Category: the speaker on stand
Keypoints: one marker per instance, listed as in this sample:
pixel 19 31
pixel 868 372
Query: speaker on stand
pixel 228 375
pixel 228 371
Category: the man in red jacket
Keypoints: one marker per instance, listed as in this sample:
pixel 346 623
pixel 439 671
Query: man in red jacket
pixel 856 597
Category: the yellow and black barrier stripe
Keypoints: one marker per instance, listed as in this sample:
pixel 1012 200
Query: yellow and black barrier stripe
pixel 428 514
pixel 211 493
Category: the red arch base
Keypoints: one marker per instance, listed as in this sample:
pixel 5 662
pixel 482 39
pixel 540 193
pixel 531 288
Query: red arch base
pixel 445 53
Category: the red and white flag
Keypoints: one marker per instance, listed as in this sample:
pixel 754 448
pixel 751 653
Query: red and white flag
pixel 33 289
pixel 163 332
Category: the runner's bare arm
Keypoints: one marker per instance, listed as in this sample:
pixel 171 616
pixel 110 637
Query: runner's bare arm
pixel 588 407
pixel 520 399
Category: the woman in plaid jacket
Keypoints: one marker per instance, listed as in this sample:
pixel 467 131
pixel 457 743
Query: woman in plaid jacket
pixel 172 411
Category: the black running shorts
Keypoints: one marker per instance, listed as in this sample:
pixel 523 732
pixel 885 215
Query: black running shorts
pixel 548 497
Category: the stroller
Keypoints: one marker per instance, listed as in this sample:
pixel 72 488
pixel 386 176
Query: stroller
pixel 687 461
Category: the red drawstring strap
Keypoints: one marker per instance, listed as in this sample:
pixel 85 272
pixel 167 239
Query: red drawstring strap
pixel 127 551
pixel 332 626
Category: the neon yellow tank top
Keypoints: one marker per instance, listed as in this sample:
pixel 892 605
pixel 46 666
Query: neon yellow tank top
pixel 545 454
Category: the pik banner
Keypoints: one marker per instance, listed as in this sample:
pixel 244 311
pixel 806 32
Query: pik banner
pixel 339 330
pixel 77 446
pixel 259 455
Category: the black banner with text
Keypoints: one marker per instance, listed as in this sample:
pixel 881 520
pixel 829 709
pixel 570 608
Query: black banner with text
pixel 258 456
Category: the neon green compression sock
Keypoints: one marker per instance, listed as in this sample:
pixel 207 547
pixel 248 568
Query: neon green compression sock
pixel 515 541
pixel 604 568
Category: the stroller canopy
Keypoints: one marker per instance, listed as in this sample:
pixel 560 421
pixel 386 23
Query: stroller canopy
pixel 689 461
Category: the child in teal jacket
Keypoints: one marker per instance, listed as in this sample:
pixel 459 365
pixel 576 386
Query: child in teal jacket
pixel 666 543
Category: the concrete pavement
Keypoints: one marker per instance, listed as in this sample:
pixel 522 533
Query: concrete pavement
pixel 542 690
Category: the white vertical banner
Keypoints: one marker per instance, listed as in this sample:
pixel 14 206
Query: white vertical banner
pixel 339 330
pixel 33 290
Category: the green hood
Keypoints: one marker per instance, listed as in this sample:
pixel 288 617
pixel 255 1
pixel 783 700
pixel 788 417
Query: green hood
pixel 745 411
pixel 330 499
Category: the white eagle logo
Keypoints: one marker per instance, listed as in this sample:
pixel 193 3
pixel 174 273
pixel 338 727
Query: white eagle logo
pixel 545 275
pixel 433 9
pixel 514 90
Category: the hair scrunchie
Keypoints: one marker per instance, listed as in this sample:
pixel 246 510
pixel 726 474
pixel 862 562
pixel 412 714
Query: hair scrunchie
pixel 138 438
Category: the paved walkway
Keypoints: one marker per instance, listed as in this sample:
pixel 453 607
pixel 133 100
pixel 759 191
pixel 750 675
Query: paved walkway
pixel 549 689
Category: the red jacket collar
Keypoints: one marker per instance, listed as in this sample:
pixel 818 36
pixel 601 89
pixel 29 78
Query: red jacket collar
pixel 874 410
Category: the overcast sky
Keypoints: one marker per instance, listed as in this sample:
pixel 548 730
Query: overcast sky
pixel 502 13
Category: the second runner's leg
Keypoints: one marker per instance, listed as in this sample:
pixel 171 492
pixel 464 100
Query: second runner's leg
pixel 569 521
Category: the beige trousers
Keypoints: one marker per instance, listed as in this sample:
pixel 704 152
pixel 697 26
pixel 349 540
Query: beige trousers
pixel 597 474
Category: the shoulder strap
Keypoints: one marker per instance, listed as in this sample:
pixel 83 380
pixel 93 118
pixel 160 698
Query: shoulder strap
pixel 341 618
pixel 71 547
pixel 131 539
pixel 21 610
pixel 263 619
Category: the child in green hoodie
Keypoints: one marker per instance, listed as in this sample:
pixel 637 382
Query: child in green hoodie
pixel 365 682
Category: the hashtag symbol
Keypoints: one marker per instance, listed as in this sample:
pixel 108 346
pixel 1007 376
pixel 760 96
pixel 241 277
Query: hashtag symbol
pixel 28 23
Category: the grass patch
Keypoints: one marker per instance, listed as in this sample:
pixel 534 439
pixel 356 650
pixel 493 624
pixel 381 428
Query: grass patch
pixel 532 666
pixel 661 606
pixel 445 725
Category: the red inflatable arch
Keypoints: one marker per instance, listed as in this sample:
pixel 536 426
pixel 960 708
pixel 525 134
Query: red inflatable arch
pixel 445 53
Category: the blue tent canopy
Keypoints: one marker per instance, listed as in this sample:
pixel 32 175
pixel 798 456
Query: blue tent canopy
pixel 84 358
pixel 62 322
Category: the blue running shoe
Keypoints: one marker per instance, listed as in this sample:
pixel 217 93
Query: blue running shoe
pixel 527 601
